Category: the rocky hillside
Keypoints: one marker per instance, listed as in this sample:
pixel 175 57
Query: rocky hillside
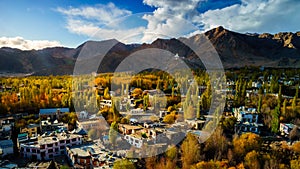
pixel 235 50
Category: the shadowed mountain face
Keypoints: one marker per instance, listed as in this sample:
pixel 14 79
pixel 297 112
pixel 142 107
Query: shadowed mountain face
pixel 235 50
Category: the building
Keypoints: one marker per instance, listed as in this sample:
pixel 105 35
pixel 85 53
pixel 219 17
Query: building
pixel 195 124
pixel 22 138
pixel 83 115
pixel 96 123
pixel 91 156
pixel 286 128
pixel 53 113
pixel 248 120
pixel 250 115
pixel 105 103
pixel 32 130
pixel 129 129
pixel 134 140
pixel 6 125
pixel 48 126
pixel 45 148
pixel 136 111
pixel 44 165
pixel 6 147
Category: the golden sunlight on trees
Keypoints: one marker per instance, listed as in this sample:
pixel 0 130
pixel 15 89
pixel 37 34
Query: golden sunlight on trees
pixel 252 160
pixel 244 144
pixel 123 164
pixel 190 151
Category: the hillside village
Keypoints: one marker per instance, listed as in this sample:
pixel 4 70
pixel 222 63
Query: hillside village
pixel 134 120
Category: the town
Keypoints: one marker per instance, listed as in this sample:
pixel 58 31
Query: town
pixel 148 116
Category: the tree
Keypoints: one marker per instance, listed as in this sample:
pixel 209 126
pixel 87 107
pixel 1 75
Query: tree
pixel 170 118
pixel 146 101
pixel 297 91
pixel 106 94
pixel 259 103
pixel 123 164
pixel 94 134
pixel 216 146
pixel 244 144
pixel 284 107
pixel 252 160
pixel 190 151
pixel 294 134
pixel 113 133
pixel 294 104
pixel 295 164
pixel 212 165
pixel 275 119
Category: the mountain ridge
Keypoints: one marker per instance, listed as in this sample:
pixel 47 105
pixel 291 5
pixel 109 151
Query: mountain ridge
pixel 280 50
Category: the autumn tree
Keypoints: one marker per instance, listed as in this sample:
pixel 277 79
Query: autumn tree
pixel 216 146
pixel 244 144
pixel 252 160
pixel 190 149
pixel 123 164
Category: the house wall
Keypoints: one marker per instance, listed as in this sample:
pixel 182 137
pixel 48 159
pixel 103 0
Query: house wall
pixel 48 151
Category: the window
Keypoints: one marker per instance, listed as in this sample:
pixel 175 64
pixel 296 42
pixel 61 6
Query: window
pixel 50 150
pixel 68 141
pixel 62 147
pixel 74 139
pixel 56 149
pixel 33 150
pixel 27 150
pixel 49 145
pixel 62 141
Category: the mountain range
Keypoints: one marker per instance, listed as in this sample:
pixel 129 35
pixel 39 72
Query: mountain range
pixel 280 50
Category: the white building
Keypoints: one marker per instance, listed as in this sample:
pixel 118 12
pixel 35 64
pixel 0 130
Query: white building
pixel 83 115
pixel 48 147
pixel 286 128
pixel 250 115
pixel 248 120
pixel 105 103
pixel 136 111
pixel 133 140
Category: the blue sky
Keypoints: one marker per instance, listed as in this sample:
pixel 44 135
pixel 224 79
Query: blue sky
pixel 35 24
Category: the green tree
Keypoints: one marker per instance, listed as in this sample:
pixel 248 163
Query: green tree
pixel 113 133
pixel 275 119
pixel 294 104
pixel 284 107
pixel 259 103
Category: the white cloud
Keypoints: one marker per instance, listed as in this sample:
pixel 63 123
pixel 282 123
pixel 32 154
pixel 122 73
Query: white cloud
pixel 171 18
pixel 96 32
pixel 176 18
pixel 255 16
pixel 104 14
pixel 21 43
pixel 100 22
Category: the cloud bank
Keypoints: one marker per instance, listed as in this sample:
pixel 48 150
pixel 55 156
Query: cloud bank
pixel 176 18
pixel 21 43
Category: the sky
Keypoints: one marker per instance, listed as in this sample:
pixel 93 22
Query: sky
pixel 36 24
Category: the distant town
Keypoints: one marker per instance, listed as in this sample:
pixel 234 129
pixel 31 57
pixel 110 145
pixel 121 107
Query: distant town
pixel 153 120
